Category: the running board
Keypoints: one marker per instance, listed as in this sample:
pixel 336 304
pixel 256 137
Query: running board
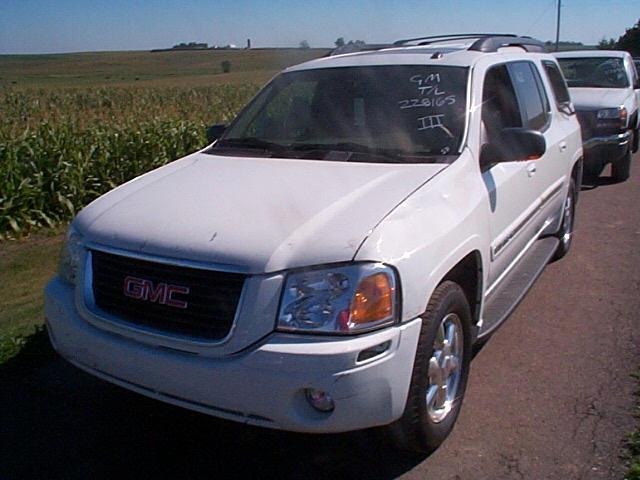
pixel 515 285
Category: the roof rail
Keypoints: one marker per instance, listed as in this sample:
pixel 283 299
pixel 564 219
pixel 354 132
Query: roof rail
pixel 492 44
pixel 451 36
pixel 357 47
pixel 486 42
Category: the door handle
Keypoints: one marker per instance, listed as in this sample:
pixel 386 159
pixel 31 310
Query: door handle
pixel 531 169
pixel 563 146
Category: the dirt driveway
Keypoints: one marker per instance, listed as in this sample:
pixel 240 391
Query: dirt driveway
pixel 550 395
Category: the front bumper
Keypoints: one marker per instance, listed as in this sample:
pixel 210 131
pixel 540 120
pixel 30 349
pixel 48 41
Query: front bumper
pixel 603 149
pixel 619 140
pixel 262 385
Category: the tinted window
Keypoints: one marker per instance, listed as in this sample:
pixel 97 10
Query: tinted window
pixel 594 72
pixel 557 82
pixel 407 109
pixel 500 108
pixel 533 104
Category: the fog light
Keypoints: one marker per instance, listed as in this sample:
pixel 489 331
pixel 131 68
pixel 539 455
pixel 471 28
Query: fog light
pixel 319 400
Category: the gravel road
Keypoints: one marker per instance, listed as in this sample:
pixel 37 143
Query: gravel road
pixel 550 395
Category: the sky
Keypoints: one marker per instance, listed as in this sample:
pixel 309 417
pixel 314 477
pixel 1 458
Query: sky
pixel 54 26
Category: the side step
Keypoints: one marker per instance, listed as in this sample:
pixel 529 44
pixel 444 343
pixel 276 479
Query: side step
pixel 512 289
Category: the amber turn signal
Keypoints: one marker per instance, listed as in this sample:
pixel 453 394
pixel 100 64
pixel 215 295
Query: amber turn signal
pixel 373 300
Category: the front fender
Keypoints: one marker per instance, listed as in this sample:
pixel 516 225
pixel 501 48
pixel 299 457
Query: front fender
pixel 431 231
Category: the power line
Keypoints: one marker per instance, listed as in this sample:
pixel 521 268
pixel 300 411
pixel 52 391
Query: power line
pixel 537 20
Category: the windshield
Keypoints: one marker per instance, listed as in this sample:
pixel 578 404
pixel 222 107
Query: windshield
pixel 377 114
pixel 594 72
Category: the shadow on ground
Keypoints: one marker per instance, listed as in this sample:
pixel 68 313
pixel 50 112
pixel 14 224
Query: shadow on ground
pixel 58 422
pixel 591 183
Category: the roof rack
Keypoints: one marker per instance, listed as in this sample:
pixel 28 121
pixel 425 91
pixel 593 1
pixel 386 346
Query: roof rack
pixel 450 36
pixel 358 47
pixel 486 42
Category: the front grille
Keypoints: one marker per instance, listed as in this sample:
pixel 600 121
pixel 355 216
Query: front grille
pixel 207 311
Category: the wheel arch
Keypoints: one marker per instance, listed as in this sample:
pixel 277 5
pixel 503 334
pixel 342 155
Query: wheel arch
pixel 576 174
pixel 635 120
pixel 468 274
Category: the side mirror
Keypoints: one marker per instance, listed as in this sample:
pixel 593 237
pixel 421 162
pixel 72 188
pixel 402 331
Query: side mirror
pixel 214 132
pixel 514 145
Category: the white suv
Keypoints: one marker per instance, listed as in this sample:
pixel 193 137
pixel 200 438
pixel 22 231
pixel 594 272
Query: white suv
pixel 328 263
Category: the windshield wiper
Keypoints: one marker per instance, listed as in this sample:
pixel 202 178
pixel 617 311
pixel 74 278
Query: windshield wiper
pixel 249 142
pixel 392 155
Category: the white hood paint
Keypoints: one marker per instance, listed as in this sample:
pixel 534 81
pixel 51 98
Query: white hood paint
pixel 257 214
pixel 597 98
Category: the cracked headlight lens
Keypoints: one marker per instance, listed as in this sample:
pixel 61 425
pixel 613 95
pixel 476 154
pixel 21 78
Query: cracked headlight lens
pixel 340 300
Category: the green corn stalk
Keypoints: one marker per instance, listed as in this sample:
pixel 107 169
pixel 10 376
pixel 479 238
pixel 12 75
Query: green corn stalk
pixel 60 149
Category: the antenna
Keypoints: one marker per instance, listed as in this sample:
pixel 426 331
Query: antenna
pixel 558 25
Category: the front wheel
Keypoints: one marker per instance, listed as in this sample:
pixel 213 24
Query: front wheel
pixel 440 372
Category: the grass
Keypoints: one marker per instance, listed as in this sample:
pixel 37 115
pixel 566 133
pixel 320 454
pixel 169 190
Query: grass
pixel 25 268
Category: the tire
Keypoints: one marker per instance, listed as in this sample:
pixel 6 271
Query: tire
pixel 621 168
pixel 565 234
pixel 431 410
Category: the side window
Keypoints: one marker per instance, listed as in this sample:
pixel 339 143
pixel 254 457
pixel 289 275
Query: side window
pixel 558 84
pixel 499 104
pixel 634 75
pixel 531 95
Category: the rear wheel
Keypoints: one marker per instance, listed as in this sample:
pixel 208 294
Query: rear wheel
pixel 565 234
pixel 440 372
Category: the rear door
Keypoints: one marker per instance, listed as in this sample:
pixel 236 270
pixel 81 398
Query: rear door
pixel 547 173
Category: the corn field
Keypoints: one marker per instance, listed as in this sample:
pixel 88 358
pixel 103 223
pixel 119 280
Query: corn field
pixel 60 149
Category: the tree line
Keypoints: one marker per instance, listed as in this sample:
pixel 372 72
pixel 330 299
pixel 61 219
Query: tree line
pixel 629 41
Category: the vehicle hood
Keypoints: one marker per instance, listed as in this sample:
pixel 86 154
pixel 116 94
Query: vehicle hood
pixel 255 214
pixel 597 98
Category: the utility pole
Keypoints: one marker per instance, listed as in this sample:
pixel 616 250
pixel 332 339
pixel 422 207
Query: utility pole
pixel 558 25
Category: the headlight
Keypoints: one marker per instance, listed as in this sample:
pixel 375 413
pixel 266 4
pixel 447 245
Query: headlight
pixel 619 114
pixel 70 256
pixel 342 300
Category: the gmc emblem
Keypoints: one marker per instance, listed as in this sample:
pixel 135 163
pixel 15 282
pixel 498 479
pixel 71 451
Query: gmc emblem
pixel 162 293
